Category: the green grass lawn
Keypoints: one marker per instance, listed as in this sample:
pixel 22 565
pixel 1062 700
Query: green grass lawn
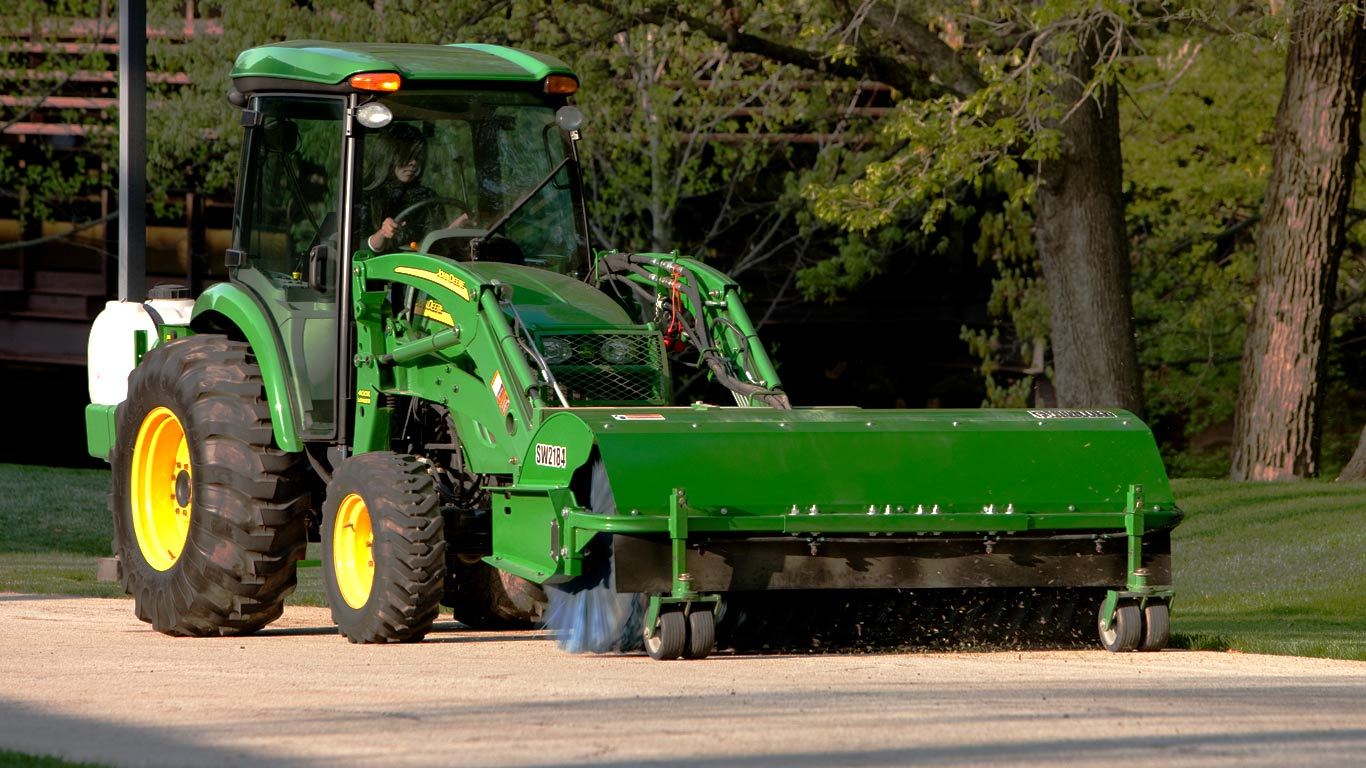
pixel 1271 567
pixel 48 509
pixel 1260 567
pixel 54 525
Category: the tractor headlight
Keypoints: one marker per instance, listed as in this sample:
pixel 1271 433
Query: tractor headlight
pixel 555 350
pixel 617 351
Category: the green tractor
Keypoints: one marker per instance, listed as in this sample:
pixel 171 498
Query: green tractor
pixel 419 361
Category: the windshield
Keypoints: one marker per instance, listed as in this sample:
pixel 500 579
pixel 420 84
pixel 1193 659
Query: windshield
pixel 451 164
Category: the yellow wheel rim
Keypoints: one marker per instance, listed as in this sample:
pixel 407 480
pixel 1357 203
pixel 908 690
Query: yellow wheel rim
pixel 353 557
pixel 162 488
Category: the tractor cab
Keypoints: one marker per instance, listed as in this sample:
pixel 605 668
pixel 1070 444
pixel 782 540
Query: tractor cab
pixel 464 152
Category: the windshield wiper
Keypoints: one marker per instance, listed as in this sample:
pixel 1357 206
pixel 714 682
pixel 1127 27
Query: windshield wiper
pixel 497 225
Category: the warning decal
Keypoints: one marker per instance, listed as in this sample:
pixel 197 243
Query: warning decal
pixel 500 392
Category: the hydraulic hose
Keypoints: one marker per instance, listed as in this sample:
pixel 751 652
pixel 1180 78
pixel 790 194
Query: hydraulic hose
pixel 620 264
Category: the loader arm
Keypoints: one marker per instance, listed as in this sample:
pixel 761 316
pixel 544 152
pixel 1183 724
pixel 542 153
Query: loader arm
pixel 452 344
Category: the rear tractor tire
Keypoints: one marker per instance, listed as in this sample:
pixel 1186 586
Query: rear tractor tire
pixel 485 598
pixel 384 551
pixel 209 515
pixel 1125 628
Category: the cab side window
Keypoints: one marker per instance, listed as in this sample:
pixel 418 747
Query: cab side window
pixel 291 186
pixel 288 205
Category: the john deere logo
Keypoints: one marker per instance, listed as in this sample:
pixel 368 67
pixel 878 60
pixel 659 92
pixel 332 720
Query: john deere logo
pixel 454 283
pixel 553 456
pixel 441 277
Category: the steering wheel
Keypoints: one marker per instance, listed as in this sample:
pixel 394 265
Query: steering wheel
pixel 402 216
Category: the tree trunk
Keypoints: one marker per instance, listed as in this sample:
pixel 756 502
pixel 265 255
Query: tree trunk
pixel 1277 421
pixel 1080 236
pixel 1356 468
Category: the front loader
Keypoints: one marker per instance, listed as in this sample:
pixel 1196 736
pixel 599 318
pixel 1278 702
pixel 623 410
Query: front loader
pixel 481 415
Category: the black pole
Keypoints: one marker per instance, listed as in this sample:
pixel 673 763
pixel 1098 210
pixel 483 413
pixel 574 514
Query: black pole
pixel 132 150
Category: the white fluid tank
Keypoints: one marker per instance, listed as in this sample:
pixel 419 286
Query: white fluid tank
pixel 110 352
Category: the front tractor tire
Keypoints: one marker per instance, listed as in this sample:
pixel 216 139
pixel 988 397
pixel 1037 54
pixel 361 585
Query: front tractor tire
pixel 384 549
pixel 208 514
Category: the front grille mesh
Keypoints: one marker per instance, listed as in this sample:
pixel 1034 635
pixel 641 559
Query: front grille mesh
pixel 611 368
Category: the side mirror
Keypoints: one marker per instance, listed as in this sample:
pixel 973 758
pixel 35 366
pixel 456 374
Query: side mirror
pixel 569 118
pixel 318 258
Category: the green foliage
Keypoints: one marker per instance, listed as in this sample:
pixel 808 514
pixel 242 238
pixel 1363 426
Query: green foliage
pixel 51 185
pixel 934 147
pixel 969 156
pixel 1018 294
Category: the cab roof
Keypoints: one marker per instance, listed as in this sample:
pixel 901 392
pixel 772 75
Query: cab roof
pixel 324 63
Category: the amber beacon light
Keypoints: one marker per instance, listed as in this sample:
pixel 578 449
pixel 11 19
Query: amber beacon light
pixel 376 81
pixel 562 85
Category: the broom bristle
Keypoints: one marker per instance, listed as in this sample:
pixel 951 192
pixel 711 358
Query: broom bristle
pixel 596 619
pixel 587 615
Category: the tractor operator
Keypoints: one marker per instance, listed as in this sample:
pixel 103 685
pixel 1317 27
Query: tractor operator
pixel 392 186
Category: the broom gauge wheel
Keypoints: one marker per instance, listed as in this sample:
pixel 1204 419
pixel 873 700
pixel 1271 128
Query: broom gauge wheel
pixel 1156 627
pixel 701 634
pixel 1125 628
pixel 670 637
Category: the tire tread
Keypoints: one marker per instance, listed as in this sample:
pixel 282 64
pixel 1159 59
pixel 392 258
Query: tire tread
pixel 409 546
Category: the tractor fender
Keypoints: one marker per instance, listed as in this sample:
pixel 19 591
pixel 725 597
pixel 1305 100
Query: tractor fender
pixel 225 305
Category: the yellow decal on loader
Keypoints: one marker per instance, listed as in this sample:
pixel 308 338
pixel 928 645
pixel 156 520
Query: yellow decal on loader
pixel 363 396
pixel 440 277
pixel 433 310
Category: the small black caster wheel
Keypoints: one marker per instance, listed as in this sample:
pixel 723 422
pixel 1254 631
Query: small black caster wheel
pixel 1156 627
pixel 1125 629
pixel 670 638
pixel 701 634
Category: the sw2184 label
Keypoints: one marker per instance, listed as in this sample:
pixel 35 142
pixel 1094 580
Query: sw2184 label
pixel 553 456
